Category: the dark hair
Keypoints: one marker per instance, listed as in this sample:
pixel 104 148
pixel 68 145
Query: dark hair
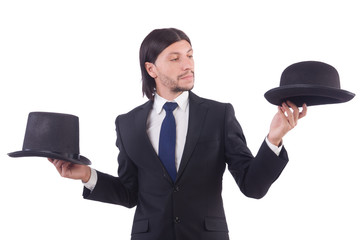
pixel 154 43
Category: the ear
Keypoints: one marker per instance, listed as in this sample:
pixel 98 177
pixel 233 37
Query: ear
pixel 151 69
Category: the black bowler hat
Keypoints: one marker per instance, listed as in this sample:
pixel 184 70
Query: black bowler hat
pixel 52 135
pixel 310 82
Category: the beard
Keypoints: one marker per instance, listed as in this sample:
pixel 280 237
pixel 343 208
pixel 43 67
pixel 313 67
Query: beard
pixel 174 85
pixel 182 89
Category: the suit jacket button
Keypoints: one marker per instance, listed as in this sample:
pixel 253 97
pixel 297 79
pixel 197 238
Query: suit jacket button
pixel 176 189
pixel 177 220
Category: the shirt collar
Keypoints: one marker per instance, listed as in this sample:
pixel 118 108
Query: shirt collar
pixel 182 100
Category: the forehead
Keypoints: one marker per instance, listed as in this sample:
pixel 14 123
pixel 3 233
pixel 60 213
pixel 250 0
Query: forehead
pixel 180 47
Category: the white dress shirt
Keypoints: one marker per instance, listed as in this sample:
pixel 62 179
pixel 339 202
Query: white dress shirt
pixel 154 122
pixel 181 114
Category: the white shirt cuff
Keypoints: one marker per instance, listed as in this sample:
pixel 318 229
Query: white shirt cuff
pixel 274 148
pixel 91 184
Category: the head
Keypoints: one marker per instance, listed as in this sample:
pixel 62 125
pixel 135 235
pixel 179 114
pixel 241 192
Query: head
pixel 165 60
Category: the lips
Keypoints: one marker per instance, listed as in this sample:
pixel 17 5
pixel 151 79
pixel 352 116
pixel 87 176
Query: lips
pixel 187 76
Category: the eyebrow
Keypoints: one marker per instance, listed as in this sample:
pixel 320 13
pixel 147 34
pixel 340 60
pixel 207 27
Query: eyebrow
pixel 190 50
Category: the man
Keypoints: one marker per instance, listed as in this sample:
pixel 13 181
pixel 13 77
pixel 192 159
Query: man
pixel 181 198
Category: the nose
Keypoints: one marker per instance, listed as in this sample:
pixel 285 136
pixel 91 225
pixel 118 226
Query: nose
pixel 188 63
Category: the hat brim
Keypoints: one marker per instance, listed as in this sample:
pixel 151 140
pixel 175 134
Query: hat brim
pixel 80 160
pixel 309 94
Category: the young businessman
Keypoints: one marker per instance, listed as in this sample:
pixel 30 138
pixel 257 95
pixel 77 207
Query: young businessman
pixel 173 151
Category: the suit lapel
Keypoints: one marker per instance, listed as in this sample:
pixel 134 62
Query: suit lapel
pixel 139 131
pixel 141 136
pixel 197 113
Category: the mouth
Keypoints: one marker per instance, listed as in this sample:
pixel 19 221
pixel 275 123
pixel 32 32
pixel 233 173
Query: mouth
pixel 187 76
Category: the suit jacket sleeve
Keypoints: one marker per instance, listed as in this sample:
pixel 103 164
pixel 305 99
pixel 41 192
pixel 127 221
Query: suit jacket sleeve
pixel 121 190
pixel 254 175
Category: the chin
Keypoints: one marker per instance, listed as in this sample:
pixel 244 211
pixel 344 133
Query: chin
pixel 184 88
pixel 187 86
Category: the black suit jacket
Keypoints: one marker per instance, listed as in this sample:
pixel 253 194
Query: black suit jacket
pixel 192 207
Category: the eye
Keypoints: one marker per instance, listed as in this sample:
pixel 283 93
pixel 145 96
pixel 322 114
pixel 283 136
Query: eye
pixel 190 56
pixel 174 59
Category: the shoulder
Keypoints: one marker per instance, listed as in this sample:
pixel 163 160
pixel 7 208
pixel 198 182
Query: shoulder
pixel 213 104
pixel 144 108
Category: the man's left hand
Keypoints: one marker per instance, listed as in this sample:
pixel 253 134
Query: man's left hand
pixel 285 120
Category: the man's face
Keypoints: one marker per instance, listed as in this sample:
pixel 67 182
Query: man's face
pixel 173 70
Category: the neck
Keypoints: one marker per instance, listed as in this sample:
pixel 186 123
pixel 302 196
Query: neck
pixel 169 95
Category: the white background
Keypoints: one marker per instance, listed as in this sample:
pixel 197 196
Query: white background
pixel 81 57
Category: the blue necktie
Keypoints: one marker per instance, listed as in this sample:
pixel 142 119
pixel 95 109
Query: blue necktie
pixel 167 143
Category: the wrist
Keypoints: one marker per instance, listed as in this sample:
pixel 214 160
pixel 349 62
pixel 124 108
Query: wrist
pixel 87 174
pixel 275 141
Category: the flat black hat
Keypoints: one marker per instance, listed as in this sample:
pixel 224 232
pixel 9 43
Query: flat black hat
pixel 310 82
pixel 52 135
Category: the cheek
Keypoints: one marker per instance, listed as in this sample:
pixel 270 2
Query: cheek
pixel 169 71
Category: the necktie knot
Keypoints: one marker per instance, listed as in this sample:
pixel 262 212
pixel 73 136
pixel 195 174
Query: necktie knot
pixel 170 106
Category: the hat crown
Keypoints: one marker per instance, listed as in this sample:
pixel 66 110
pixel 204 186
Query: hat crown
pixel 53 132
pixel 311 73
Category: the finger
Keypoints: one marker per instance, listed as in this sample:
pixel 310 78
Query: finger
pixel 54 162
pixel 295 111
pixel 304 111
pixel 290 116
pixel 281 112
pixel 65 167
pixel 56 165
pixel 59 165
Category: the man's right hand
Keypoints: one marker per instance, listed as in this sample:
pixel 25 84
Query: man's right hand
pixel 71 170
